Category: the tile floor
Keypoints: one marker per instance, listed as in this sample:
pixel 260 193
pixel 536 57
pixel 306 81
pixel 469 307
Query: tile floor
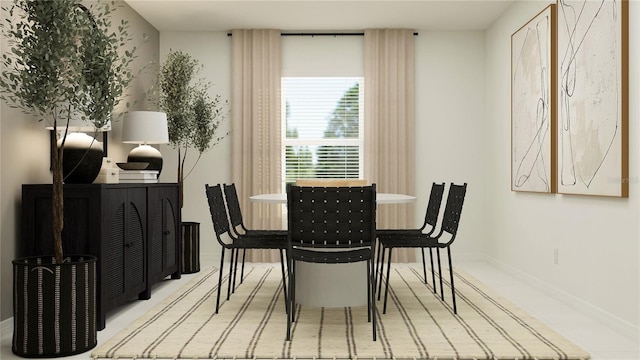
pixel 601 341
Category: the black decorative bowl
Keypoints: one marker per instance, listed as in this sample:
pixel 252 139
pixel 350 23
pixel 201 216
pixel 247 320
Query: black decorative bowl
pixel 133 165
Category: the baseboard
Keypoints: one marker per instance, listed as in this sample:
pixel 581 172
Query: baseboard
pixel 6 328
pixel 618 324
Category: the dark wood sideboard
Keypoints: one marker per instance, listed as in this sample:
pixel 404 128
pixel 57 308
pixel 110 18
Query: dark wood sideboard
pixel 133 230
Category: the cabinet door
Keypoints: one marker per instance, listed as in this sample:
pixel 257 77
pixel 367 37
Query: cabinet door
pixel 123 256
pixel 171 229
pixel 163 232
pixel 81 227
pixel 136 224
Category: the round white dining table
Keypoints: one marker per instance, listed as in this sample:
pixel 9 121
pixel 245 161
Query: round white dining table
pixel 332 285
pixel 381 198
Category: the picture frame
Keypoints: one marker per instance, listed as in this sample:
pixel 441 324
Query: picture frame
pixel 533 104
pixel 593 115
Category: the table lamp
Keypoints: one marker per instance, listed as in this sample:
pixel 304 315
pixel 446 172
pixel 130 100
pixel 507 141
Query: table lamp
pixel 144 128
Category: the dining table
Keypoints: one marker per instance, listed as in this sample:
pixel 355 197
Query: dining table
pixel 332 285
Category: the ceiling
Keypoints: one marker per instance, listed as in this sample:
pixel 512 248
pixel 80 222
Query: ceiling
pixel 319 15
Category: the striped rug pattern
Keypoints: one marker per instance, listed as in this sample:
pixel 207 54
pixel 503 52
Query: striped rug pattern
pixel 417 325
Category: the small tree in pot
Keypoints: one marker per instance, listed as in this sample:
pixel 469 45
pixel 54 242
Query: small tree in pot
pixel 64 63
pixel 194 120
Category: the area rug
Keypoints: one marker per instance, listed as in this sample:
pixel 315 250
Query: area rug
pixel 417 325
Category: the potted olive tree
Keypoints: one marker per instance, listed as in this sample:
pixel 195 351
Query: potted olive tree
pixel 194 119
pixel 65 62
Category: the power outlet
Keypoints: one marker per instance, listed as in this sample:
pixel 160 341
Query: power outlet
pixel 555 256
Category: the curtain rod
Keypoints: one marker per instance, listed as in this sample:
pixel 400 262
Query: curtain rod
pixel 324 34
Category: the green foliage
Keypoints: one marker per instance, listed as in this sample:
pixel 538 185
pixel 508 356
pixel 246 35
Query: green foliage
pixel 176 76
pixel 207 116
pixel 193 116
pixel 344 123
pixel 64 60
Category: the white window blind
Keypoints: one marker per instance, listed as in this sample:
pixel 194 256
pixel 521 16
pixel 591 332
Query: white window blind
pixel 323 134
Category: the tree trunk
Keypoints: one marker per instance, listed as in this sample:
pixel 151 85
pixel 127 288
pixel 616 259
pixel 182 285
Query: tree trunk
pixel 57 202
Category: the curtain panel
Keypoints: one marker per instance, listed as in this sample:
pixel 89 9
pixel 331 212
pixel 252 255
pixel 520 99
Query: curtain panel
pixel 255 134
pixel 390 121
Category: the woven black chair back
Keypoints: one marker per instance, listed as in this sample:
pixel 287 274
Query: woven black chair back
pixel 217 209
pixel 433 207
pixel 233 206
pixel 453 209
pixel 331 217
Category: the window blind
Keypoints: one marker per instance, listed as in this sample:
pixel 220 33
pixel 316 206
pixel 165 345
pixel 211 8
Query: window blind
pixel 323 134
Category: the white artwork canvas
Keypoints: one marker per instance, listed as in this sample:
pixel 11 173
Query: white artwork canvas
pixel 533 105
pixel 592 97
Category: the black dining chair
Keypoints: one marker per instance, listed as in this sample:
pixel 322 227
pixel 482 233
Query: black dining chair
pixel 427 228
pixel 331 225
pixel 234 242
pixel 239 229
pixel 443 239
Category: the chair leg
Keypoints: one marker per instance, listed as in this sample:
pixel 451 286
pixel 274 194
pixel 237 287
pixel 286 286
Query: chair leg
pixel 453 288
pixel 440 274
pixel 386 289
pixel 372 300
pixel 378 255
pixel 235 271
pixel 233 251
pixel 433 272
pixel 289 311
pixel 220 280
pixel 424 266
pixel 381 270
pixel 244 253
pixel 292 286
pixel 370 285
pixel 284 280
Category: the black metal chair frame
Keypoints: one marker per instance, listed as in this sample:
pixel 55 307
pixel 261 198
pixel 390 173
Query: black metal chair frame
pixel 342 219
pixel 221 226
pixel 239 229
pixel 430 220
pixel 449 225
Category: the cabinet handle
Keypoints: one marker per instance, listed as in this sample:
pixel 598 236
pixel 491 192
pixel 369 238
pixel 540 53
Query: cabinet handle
pixel 167 232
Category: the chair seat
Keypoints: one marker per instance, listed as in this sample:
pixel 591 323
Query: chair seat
pixel 409 241
pixel 395 232
pixel 262 242
pixel 277 233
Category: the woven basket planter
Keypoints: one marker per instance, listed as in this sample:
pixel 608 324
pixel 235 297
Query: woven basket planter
pixel 54 311
pixel 190 247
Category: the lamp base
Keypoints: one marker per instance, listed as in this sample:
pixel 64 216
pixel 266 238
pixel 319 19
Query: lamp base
pixel 147 153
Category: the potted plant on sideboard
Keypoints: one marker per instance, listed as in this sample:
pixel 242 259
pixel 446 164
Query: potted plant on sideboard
pixel 194 119
pixel 66 62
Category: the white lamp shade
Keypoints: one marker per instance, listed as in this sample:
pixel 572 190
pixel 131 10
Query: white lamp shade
pixel 145 127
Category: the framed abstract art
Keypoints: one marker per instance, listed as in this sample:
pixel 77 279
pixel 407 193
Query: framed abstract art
pixel 533 104
pixel 593 97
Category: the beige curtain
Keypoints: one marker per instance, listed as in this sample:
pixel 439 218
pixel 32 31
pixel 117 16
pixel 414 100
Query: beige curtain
pixel 389 118
pixel 255 134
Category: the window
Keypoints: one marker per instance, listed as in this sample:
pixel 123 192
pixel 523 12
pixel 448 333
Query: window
pixel 323 127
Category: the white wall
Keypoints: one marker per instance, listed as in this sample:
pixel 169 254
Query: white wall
pixel 596 238
pixel 24 148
